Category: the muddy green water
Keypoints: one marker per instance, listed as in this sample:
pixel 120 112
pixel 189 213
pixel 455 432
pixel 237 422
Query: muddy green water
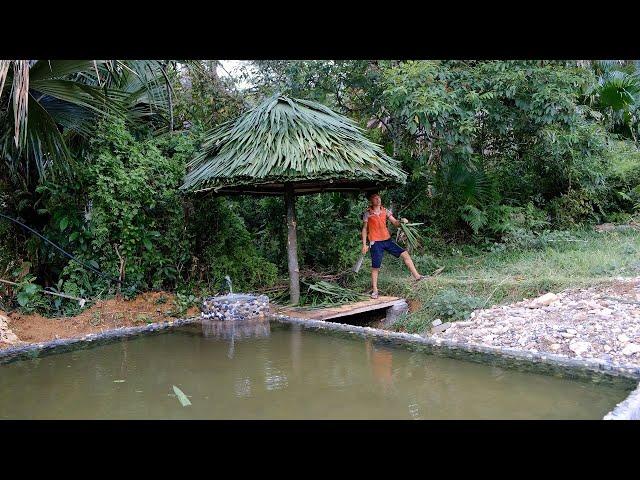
pixel 287 373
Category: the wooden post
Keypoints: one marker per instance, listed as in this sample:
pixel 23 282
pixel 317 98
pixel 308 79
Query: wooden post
pixel 292 244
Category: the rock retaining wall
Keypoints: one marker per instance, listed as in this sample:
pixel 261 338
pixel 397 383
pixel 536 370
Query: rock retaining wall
pixel 235 307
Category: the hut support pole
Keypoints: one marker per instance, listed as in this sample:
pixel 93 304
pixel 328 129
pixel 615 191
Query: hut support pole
pixel 292 244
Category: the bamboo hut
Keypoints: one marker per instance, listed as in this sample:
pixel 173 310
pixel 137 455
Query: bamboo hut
pixel 290 147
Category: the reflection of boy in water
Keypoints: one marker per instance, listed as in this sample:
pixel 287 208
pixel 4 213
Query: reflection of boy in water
pixel 382 364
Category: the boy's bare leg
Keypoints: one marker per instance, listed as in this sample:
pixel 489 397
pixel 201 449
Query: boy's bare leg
pixel 409 263
pixel 374 279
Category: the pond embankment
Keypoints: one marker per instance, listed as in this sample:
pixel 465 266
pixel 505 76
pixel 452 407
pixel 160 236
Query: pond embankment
pixel 600 323
pixel 147 308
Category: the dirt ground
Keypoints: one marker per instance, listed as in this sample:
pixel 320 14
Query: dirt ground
pixel 103 315
pixel 414 305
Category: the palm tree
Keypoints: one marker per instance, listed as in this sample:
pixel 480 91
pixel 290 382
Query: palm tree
pixel 617 94
pixel 46 104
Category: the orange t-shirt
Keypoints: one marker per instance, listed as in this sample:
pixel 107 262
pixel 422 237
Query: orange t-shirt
pixel 377 230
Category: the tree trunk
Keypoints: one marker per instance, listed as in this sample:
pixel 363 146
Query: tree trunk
pixel 292 244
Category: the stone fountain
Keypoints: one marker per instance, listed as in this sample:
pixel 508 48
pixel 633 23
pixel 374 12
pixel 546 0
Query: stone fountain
pixel 235 316
pixel 235 306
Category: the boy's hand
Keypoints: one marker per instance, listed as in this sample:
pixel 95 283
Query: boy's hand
pixel 364 249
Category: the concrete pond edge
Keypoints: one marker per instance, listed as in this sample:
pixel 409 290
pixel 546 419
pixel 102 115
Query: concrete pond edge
pixel 628 409
pixel 34 350
pixel 599 371
pixel 590 369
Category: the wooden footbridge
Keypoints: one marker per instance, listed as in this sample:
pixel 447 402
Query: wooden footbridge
pixel 385 309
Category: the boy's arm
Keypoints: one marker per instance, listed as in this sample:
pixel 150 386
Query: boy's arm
pixel 396 222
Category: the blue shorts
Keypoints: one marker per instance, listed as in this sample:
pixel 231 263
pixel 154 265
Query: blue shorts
pixel 378 248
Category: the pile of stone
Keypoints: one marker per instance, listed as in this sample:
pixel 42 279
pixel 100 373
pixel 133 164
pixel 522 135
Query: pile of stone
pixel 235 307
pixel 6 335
pixel 600 322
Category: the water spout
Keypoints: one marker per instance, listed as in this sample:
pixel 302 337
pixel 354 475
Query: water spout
pixel 226 277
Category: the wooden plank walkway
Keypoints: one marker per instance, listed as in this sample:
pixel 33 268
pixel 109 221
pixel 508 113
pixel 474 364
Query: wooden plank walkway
pixel 328 313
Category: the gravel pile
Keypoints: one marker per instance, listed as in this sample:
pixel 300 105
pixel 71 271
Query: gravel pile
pixel 600 322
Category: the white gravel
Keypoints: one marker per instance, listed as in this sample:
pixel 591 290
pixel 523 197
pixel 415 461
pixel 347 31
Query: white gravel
pixel 600 322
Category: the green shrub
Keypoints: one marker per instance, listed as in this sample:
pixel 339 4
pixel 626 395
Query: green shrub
pixel 182 303
pixel 623 182
pixel 452 305
pixel 134 216
pixel 29 296
pixel 573 209
pixel 228 248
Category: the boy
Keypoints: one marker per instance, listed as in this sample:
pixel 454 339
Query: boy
pixel 374 228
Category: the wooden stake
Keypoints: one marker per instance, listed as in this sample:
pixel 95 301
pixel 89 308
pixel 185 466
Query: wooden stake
pixel 292 244
pixel 81 301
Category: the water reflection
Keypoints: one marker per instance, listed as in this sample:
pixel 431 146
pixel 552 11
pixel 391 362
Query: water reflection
pixel 296 349
pixel 380 360
pixel 235 329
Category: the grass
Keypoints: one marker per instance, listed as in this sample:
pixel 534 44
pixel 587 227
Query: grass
pixel 473 279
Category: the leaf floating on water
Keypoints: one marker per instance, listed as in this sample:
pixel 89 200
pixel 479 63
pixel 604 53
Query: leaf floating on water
pixel 181 396
pixel 118 381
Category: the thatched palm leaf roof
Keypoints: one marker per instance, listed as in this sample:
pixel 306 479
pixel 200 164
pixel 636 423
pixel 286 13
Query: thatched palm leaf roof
pixel 289 140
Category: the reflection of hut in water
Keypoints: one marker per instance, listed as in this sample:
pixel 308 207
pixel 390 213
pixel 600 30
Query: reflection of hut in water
pixel 236 329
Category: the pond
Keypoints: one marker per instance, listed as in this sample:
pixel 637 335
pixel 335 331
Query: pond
pixel 283 371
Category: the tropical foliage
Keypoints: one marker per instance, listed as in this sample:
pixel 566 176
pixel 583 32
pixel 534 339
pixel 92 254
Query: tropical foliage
pixel 48 104
pixel 497 156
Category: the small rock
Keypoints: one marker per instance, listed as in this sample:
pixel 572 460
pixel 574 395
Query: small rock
pixel 555 347
pixel 622 338
pixel 606 348
pixel 579 347
pixel 436 322
pixel 543 301
pixel 630 349
pixel 440 328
